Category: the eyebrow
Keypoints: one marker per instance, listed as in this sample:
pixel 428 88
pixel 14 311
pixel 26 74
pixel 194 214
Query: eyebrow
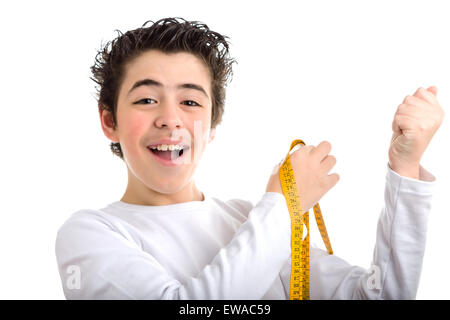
pixel 151 82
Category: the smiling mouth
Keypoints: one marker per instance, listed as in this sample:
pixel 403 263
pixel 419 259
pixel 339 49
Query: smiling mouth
pixel 168 154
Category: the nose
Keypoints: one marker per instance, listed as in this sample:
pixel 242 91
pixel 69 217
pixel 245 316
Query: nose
pixel 168 116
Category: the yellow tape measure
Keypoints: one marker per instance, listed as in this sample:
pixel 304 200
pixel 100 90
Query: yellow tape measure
pixel 299 288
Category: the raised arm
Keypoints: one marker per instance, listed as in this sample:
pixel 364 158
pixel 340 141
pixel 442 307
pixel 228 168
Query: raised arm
pixel 401 232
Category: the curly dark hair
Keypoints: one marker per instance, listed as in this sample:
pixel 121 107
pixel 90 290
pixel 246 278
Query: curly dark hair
pixel 170 36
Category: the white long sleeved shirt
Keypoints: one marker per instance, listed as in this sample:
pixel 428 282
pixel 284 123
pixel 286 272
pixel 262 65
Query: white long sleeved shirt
pixel 215 249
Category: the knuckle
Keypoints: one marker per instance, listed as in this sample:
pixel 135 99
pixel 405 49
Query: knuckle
pixel 307 149
pixel 395 121
pixel 407 99
pixel 422 93
pixel 426 125
pixel 422 126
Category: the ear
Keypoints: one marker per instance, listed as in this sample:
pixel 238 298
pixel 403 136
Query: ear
pixel 107 122
pixel 212 134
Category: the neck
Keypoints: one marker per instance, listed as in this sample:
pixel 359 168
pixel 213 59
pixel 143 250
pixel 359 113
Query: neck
pixel 140 194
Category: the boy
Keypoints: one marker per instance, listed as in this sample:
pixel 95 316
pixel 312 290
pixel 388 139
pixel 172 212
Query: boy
pixel 165 239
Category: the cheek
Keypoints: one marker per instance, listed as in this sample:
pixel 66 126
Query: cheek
pixel 134 130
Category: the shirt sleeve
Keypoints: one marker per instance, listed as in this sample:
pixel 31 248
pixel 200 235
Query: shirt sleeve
pixel 113 267
pixel 399 249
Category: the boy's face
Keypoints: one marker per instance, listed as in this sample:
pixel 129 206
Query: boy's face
pixel 162 109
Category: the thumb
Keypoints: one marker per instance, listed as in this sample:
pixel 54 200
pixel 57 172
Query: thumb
pixel 433 90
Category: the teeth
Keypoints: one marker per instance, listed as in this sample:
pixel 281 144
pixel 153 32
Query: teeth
pixel 165 147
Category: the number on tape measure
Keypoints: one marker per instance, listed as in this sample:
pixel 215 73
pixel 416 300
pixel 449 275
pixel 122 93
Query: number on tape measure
pixel 299 287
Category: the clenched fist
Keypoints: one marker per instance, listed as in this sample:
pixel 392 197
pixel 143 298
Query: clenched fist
pixel 415 122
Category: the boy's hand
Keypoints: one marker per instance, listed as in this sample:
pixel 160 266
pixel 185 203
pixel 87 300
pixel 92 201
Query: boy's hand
pixel 415 122
pixel 310 166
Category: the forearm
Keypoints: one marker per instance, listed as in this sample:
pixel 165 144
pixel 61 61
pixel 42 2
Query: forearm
pixel 401 234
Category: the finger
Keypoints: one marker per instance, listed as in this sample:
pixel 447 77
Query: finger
pixel 433 90
pixel 304 149
pixel 309 148
pixel 402 122
pixel 415 101
pixel 332 180
pixel 322 150
pixel 328 163
pixel 426 95
pixel 395 125
pixel 276 168
pixel 296 147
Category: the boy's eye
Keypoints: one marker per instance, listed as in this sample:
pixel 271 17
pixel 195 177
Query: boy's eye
pixel 147 101
pixel 143 101
pixel 196 104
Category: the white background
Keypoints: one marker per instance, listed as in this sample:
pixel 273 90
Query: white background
pixel 322 70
